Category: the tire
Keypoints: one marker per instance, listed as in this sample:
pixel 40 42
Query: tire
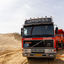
pixel 28 58
pixel 52 58
pixel 61 44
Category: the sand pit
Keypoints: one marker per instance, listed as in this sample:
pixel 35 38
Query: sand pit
pixel 10 47
pixel 10 40
pixel 11 53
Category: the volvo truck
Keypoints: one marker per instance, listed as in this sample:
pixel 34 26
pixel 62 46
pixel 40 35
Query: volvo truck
pixel 38 38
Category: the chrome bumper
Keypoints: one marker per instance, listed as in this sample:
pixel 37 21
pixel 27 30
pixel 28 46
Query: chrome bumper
pixel 45 53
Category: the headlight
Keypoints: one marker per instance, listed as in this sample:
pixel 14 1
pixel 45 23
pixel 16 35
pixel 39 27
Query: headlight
pixel 51 50
pixel 25 50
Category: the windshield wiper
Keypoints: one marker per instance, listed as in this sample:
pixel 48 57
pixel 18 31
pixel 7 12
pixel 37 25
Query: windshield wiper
pixel 47 35
pixel 38 35
pixel 43 35
pixel 32 35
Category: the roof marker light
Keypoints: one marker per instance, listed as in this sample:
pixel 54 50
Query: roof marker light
pixel 41 16
pixel 25 19
pixel 45 16
pixel 33 17
pixel 51 16
pixel 30 18
pixel 37 17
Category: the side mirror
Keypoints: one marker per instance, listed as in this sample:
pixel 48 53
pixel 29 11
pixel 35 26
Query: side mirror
pixel 56 29
pixel 21 31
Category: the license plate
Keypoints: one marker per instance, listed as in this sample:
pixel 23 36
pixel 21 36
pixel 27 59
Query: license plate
pixel 38 54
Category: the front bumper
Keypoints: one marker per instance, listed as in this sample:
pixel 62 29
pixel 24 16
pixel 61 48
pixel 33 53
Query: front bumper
pixel 41 52
pixel 49 55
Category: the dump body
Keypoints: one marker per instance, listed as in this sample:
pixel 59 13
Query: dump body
pixel 38 38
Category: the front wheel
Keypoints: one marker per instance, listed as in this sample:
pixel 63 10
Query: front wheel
pixel 52 58
pixel 61 44
pixel 28 58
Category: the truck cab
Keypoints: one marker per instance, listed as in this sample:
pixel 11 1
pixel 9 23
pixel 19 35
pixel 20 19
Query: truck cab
pixel 38 38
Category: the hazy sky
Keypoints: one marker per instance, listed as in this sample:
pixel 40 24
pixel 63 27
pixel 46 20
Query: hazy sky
pixel 14 12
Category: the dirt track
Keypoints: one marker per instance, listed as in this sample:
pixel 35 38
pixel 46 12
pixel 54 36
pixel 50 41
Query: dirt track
pixel 10 53
pixel 15 57
pixel 11 57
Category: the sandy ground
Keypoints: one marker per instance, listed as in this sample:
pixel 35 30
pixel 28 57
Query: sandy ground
pixel 11 53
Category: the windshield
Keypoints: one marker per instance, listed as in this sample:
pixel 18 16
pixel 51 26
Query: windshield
pixel 38 31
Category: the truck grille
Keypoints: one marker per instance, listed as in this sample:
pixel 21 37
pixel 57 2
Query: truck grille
pixel 43 43
pixel 37 51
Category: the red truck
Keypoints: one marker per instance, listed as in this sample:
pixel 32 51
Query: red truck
pixel 59 38
pixel 38 38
